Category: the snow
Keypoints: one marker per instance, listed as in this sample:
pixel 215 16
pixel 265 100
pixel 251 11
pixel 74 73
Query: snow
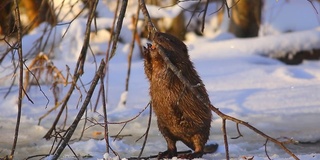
pixel 290 11
pixel 242 80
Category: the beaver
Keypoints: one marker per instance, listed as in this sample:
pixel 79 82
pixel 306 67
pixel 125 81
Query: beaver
pixel 181 116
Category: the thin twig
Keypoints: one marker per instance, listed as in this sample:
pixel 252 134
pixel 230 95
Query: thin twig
pixel 147 131
pixel 38 84
pixel 118 29
pixel 38 155
pixel 131 119
pixel 105 115
pixel 84 125
pixel 20 96
pixel 228 9
pixel 225 138
pixel 112 31
pixel 204 16
pixel 135 20
pixel 193 13
pixel 105 72
pixel 265 149
pixel 313 6
pixel 120 122
pixel 13 79
pixel 150 27
pixel 84 49
pixel 239 133
pixel 118 134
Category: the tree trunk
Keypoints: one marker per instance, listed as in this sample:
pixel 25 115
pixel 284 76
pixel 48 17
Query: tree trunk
pixel 7 26
pixel 178 27
pixel 39 11
pixel 245 18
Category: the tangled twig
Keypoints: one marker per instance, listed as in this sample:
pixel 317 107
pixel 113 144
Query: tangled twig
pixel 82 110
pixel 77 72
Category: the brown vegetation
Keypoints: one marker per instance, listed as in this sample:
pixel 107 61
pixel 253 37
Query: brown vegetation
pixel 245 18
pixel 7 26
pixel 39 11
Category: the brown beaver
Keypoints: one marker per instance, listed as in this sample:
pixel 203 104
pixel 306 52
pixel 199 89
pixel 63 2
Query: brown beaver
pixel 181 116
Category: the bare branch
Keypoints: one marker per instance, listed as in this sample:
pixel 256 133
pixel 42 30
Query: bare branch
pixel 193 13
pixel 147 131
pixel 84 49
pixel 265 149
pixel 20 95
pixel 118 29
pixel 131 119
pixel 105 118
pixel 83 108
pixel 151 28
pixel 225 137
pixel 313 6
pixel 204 16
pixel 77 72
pixel 135 23
pixel 239 133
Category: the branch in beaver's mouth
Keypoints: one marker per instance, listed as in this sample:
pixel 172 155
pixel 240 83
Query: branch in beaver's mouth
pixel 147 49
pixel 149 45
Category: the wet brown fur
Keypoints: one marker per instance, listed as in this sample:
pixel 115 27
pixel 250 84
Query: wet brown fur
pixel 181 116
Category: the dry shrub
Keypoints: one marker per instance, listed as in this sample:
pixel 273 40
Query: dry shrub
pixel 42 71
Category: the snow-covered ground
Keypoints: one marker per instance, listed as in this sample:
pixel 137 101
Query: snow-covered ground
pixel 281 100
